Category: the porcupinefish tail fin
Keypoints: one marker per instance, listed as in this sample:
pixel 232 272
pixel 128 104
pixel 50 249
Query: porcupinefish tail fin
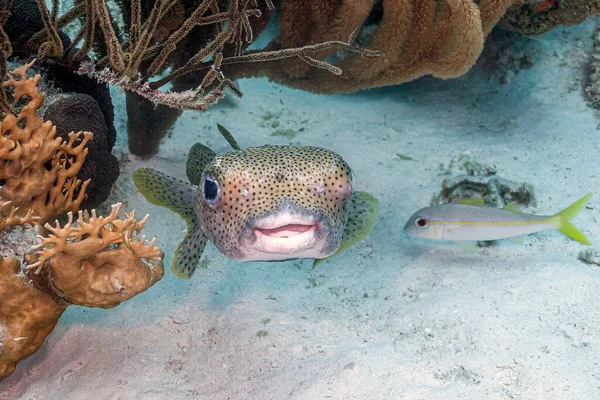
pixel 565 216
pixel 363 210
pixel 188 252
pixel 165 191
pixel 199 157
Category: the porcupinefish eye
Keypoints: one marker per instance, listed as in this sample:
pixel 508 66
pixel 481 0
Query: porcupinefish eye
pixel 210 189
pixel 422 222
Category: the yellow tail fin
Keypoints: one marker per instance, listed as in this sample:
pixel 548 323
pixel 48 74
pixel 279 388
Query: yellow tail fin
pixel 566 215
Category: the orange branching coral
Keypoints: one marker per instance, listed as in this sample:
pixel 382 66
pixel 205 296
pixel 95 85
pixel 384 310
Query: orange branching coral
pixel 39 169
pixel 99 262
pixel 9 218
pixel 18 243
pixel 418 37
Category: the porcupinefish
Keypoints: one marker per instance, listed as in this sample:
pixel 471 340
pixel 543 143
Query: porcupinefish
pixel 268 203
pixel 468 221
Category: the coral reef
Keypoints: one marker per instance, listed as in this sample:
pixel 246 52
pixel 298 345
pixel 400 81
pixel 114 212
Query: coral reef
pixel 27 316
pixel 469 179
pixel 69 82
pixel 100 262
pixel 16 242
pixel 199 47
pixel 40 170
pixel 9 218
pixel 180 37
pixel 80 112
pixel 417 37
pixel 95 262
pixel 536 17
pixel 147 123
pixel 24 20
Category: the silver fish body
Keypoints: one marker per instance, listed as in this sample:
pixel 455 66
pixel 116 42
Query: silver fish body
pixel 458 222
pixel 467 223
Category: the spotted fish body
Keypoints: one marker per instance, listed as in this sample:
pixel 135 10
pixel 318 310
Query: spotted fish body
pixel 291 183
pixel 263 203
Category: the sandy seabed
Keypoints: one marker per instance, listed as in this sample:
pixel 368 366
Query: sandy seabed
pixel 393 317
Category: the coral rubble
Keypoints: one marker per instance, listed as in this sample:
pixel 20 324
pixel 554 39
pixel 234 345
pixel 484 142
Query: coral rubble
pixel 590 256
pixel 469 179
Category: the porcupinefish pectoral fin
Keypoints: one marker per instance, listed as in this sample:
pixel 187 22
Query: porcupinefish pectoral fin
pixel 178 196
pixel 199 157
pixel 363 210
pixel 165 191
pixel 187 255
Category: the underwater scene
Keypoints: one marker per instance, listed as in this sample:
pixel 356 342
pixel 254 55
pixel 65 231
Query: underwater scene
pixel 299 199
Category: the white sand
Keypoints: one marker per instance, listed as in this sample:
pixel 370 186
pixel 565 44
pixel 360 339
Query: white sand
pixel 393 317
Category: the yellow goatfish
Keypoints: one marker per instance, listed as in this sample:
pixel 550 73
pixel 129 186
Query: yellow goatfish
pixel 468 221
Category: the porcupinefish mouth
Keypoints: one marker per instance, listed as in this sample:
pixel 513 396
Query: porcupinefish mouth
pixel 286 231
pixel 283 237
